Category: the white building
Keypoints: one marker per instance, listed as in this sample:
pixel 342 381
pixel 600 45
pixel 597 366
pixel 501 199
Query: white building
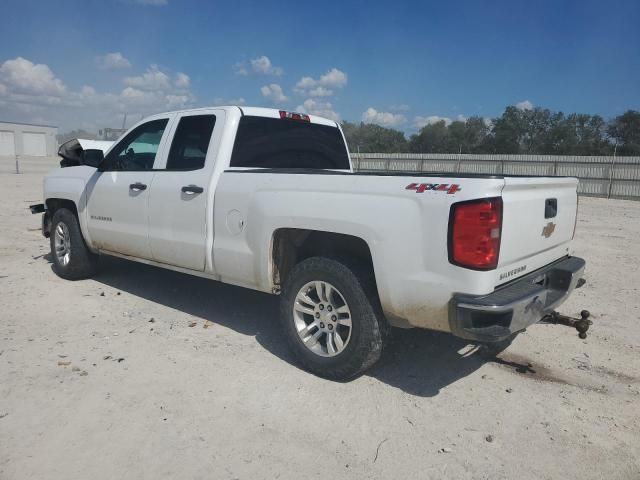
pixel 27 140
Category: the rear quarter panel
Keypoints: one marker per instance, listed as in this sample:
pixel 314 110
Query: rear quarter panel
pixel 406 232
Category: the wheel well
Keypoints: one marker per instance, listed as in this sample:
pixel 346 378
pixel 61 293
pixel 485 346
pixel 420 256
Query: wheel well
pixel 54 204
pixel 292 245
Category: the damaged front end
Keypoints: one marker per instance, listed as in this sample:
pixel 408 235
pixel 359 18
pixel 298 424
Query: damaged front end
pixel 82 152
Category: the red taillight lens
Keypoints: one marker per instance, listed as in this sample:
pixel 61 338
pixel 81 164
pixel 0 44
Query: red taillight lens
pixel 474 233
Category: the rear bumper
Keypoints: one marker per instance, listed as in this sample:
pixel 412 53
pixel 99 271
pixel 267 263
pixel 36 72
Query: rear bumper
pixel 515 306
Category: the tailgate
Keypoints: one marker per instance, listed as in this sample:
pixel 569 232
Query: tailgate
pixel 538 223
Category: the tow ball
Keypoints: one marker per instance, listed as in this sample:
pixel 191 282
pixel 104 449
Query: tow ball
pixel 581 324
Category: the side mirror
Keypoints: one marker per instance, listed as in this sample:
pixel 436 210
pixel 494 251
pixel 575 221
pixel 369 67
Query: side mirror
pixel 93 158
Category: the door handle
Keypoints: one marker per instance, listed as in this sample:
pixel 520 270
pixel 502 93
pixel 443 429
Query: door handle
pixel 137 187
pixel 192 189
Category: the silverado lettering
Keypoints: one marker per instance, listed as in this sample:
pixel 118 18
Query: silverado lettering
pixel 513 272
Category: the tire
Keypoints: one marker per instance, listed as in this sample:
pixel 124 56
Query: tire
pixel 351 284
pixel 71 258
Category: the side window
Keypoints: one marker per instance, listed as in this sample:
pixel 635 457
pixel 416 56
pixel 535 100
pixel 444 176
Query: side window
pixel 191 142
pixel 137 151
pixel 288 144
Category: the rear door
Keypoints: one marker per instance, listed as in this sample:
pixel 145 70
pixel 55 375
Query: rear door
pixel 538 220
pixel 117 198
pixel 181 193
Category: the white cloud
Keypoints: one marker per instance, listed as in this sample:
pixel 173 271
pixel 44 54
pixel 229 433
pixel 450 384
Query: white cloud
pixel 152 79
pixel 524 105
pixel 333 79
pixel 174 102
pixel 420 122
pixel 135 94
pixel 182 80
pixel 112 61
pixel 320 108
pixel 25 76
pixel 260 66
pixel 274 93
pixel 87 91
pixel 264 66
pixel 399 108
pixel 32 93
pixel 305 83
pixel 384 119
pixel 229 101
pixel 240 68
pixel 320 92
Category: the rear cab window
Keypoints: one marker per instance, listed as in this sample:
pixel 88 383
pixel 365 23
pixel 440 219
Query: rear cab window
pixel 263 142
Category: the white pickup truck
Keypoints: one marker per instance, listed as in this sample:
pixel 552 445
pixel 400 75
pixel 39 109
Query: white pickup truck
pixel 268 200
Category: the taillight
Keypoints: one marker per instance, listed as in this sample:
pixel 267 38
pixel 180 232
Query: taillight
pixel 474 233
pixel 301 117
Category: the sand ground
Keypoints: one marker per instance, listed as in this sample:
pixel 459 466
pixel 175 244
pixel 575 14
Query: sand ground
pixel 105 379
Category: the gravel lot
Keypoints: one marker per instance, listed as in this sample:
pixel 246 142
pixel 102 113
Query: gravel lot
pixel 107 378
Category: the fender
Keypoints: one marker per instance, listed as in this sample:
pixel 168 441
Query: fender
pixel 71 184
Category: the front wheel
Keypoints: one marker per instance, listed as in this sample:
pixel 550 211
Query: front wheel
pixel 332 318
pixel 72 260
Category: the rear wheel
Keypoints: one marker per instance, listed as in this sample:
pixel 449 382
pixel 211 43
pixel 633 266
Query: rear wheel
pixel 332 318
pixel 72 260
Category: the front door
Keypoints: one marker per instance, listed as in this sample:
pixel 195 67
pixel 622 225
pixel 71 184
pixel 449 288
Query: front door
pixel 117 199
pixel 180 198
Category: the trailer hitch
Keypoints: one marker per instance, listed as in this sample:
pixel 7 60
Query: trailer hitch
pixel 581 324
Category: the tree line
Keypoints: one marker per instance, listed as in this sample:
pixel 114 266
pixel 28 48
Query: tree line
pixel 516 131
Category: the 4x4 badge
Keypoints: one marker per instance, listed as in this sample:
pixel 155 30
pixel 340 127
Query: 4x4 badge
pixel 548 229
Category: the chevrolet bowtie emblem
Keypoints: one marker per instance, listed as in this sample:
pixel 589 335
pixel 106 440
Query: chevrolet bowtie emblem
pixel 548 229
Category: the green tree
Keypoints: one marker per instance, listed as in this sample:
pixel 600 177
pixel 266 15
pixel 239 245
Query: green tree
pixel 625 130
pixel 433 138
pixel 475 135
pixel 516 131
pixel 371 138
pixel 541 131
pixel 507 132
pixel 579 134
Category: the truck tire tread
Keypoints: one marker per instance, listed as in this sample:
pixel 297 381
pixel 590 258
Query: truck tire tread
pixel 83 262
pixel 371 330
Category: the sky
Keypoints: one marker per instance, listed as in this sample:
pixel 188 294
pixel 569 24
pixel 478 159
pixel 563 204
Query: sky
pixel 87 63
